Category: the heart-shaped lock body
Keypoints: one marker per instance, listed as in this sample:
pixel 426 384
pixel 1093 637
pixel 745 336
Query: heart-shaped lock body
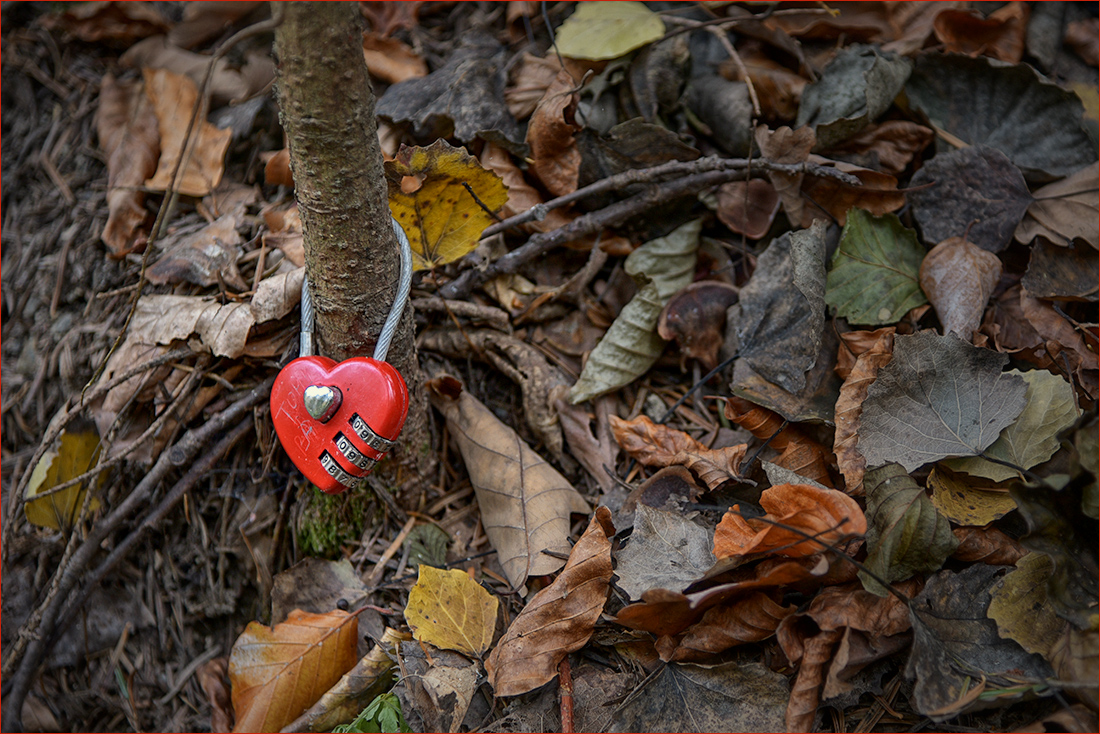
pixel 335 420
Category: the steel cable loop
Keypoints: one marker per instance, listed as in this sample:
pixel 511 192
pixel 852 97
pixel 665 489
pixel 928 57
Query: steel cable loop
pixel 404 286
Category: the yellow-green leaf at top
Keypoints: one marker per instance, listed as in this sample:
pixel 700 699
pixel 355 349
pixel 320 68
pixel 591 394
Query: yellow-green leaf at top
pixel 607 30
pixel 450 610
pixel 429 198
pixel 76 453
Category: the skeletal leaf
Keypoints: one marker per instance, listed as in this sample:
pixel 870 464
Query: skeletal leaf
pixel 450 610
pixel 76 453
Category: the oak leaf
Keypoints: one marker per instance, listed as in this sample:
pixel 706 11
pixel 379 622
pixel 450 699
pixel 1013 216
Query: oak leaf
pixel 429 198
pixel 655 444
pixel 559 619
pixel 450 610
pixel 825 514
pixel 279 672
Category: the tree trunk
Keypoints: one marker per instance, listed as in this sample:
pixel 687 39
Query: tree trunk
pixel 327 110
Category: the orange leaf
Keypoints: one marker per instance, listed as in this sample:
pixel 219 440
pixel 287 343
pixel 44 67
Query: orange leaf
pixel 749 619
pixel 826 514
pixel 797 451
pixel 654 444
pixel 559 619
pixel 277 673
pixel 849 408
pixel 987 545
pixel 555 157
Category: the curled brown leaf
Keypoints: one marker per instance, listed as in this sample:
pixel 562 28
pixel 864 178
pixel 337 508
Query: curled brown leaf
pixel 654 444
pixel 849 407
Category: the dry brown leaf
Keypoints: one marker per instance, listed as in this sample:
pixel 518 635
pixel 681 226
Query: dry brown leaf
pixel 816 652
pixel 959 277
pixel 213 678
pixel 532 76
pixel 855 343
pixel 206 257
pixel 888 146
pixel 521 195
pixel 593 449
pixel 390 59
pixel 877 193
pixel 696 318
pixel 1075 657
pixel 1001 36
pixel 279 672
pixel 285 232
pixel 1076 718
pixel 748 207
pixel 555 157
pixel 787 146
pixel 987 545
pixel 1081 36
pixel 227 84
pixel 525 503
pixel 778 88
pixel 1062 341
pixel 826 514
pixel 277 295
pixel 173 97
pixel 798 452
pixel 1064 210
pixel 116 24
pixel 654 444
pixel 749 619
pixel 206 21
pixel 127 131
pixel 221 329
pixel 849 407
pixel 559 619
pixel 277 168
pixel 388 17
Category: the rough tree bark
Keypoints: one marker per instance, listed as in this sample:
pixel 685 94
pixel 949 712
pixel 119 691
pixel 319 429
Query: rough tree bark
pixel 327 110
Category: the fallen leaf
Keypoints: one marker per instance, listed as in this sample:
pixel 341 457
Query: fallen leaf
pixel 606 30
pixel 1059 337
pixel 221 329
pixel 76 452
pixel 555 157
pixel 114 24
pixel 849 408
pixel 986 545
pixel 798 452
pixel 725 108
pixel 905 533
pixel 277 295
pixel 1011 108
pixel 173 97
pixel 441 217
pixel 207 21
pixel 966 502
pixel 450 610
pixel 631 346
pixel 752 618
pixel 855 88
pixel 127 130
pixel 524 502
pixel 956 647
pixel 316 585
pixel 522 196
pixel 213 679
pixel 1033 437
pixel 889 146
pixel 748 207
pixel 696 318
pixel 279 672
pixel 876 193
pixel 655 444
pixel 855 343
pixel 666 550
pixel 1064 210
pixel 559 619
pixel 463 99
pixel 1088 454
pixel 667 489
pixel 787 146
pixel 925 404
pixel 436 686
pixel 228 83
pixel 1075 718
pixel 593 449
pixel 1019 605
pixel 974 192
pixel 684 697
pixel 828 516
pixel 873 275
pixel 391 60
pixel 781 312
pixel 959 277
pixel 1000 36
pixel 206 257
pixel 1062 273
pixel 427 545
pixel 1074 659
pixel 371 677
pixel 778 88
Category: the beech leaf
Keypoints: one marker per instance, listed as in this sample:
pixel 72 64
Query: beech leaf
pixel 905 533
pixel 608 30
pixel 77 452
pixel 631 345
pixel 666 550
pixel 525 503
pixel 428 198
pixel 450 610
pixel 1065 210
pixel 938 397
pixel 559 619
pixel 873 276
pixel 959 277
pixel 1033 436
pixel 655 444
pixel 279 672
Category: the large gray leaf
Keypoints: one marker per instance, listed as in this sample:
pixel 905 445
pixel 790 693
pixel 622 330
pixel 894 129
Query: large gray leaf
pixel 666 551
pixel 856 87
pixel 955 646
pixel 975 192
pixel 1035 123
pixel 781 316
pixel 938 397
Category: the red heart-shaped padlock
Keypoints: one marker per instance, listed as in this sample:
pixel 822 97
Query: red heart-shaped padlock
pixel 335 420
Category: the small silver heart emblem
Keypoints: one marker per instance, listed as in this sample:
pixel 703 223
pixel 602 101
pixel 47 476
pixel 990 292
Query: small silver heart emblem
pixel 322 401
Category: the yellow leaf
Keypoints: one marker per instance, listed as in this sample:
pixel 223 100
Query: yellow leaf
pixel 607 30
pixel 279 672
pixel 76 454
pixel 450 610
pixel 428 196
